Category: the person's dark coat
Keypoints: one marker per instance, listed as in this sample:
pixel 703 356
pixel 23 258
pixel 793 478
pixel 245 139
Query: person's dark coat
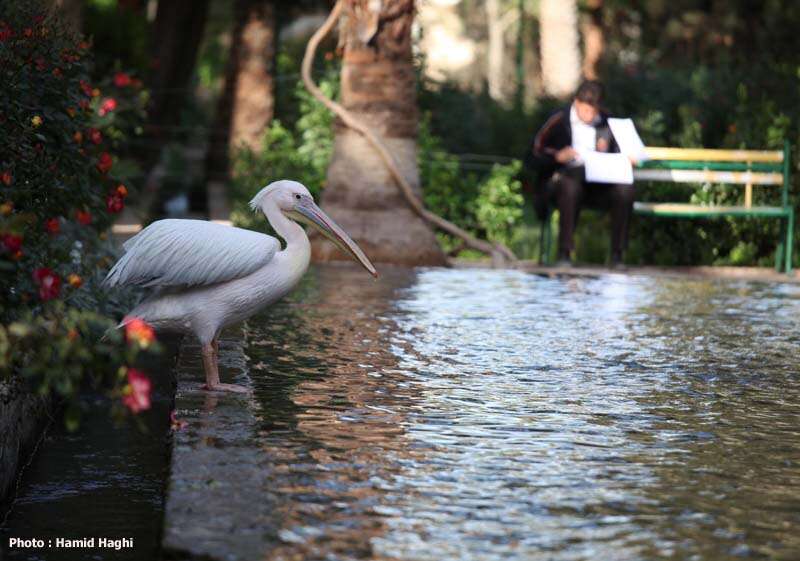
pixel 555 134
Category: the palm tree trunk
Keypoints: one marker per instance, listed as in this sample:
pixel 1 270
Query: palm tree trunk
pixel 561 59
pixel 495 51
pixel 245 105
pixel 593 39
pixel 378 86
pixel 253 102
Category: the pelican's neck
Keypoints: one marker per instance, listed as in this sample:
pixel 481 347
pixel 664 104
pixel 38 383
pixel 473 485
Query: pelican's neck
pixel 291 232
pixel 293 260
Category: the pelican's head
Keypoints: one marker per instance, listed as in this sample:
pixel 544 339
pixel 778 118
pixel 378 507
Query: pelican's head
pixel 294 200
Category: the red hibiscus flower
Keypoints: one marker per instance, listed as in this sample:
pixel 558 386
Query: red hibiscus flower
pixel 114 203
pixel 105 162
pixel 83 217
pixel 136 395
pixel 49 283
pixel 140 331
pixel 122 80
pixel 52 226
pixel 6 177
pixel 108 105
pixel 95 136
pixel 12 242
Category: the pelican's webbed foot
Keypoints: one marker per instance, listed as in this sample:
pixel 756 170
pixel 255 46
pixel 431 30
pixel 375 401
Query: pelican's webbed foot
pixel 210 354
pixel 220 387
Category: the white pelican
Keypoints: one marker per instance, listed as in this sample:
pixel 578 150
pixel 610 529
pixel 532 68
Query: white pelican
pixel 209 276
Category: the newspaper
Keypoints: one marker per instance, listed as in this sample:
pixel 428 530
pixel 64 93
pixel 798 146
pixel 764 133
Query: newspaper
pixel 628 139
pixel 604 167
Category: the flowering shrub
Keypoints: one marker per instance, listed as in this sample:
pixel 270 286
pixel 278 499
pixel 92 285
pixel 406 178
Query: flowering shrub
pixel 136 395
pixel 60 348
pixel 60 188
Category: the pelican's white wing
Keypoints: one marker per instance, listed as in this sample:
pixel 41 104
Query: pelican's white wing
pixel 176 252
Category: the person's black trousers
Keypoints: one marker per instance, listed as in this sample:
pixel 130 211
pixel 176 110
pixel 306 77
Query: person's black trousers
pixel 568 191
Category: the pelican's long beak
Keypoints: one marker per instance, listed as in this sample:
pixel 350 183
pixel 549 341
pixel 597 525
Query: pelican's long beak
pixel 305 210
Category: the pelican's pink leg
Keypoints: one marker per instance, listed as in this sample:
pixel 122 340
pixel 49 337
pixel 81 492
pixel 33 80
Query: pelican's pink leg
pixel 210 354
pixel 210 366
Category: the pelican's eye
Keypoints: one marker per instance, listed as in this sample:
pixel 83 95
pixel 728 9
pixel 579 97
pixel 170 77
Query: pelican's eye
pixel 297 196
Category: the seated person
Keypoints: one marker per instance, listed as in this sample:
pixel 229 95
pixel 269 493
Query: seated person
pixel 582 125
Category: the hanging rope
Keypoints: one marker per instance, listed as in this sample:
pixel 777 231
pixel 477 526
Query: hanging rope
pixel 497 251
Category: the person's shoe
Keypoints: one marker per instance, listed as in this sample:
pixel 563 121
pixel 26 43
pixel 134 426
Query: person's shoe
pixel 564 261
pixel 616 260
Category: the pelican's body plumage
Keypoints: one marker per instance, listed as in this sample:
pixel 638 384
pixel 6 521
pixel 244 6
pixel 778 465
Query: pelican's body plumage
pixel 256 276
pixel 208 276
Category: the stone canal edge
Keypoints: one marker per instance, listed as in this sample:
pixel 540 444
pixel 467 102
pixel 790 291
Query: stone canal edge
pixel 216 504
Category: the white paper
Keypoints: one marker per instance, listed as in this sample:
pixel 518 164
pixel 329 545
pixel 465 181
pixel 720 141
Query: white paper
pixel 604 167
pixel 628 139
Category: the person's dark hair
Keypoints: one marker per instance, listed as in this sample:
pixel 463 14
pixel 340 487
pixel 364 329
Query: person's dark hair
pixel 591 92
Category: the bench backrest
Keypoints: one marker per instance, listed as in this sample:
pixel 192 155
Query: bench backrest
pixel 702 165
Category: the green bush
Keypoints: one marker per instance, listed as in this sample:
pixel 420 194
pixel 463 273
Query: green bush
pixel 729 105
pixel 301 152
pixel 487 205
pixel 722 106
pixel 498 207
pixel 444 189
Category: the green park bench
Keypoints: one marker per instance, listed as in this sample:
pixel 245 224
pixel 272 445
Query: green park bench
pixel 701 165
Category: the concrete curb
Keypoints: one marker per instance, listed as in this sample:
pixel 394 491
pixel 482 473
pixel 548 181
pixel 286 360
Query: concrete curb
pixel 215 506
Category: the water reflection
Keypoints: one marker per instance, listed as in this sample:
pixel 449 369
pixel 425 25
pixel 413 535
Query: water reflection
pixel 333 410
pixel 492 414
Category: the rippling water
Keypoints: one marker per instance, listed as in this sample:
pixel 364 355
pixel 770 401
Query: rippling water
pixel 463 414
pixel 480 415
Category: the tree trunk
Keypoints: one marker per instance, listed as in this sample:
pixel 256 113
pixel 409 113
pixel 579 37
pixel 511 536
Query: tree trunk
pixel 561 61
pixel 175 42
pixel 593 39
pixel 495 50
pixel 178 31
pixel 378 86
pixel 245 105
